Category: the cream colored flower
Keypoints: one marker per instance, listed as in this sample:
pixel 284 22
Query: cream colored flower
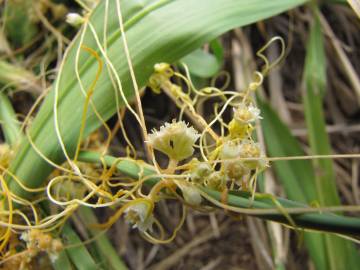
pixel 38 241
pixel 216 180
pixel 138 215
pixel 233 167
pixel 199 172
pixel 235 155
pixel 246 114
pixel 250 149
pixel 176 140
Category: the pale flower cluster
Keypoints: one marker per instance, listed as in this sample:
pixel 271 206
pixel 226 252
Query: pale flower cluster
pixel 246 114
pixel 176 140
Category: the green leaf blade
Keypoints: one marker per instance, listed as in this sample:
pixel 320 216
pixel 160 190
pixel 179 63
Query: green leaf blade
pixel 341 254
pixel 177 34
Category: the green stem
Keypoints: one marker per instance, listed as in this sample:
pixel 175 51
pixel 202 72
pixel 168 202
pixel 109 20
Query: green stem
pixel 316 221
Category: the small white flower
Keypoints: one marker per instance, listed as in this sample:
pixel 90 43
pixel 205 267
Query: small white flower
pixel 200 172
pixel 216 180
pixel 176 140
pixel 138 215
pixel 74 19
pixel 246 114
pixel 250 149
pixel 234 168
pixel 230 150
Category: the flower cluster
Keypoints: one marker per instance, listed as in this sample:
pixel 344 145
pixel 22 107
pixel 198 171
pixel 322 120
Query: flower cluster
pixel 37 241
pixel 176 140
pixel 228 162
pixel 239 158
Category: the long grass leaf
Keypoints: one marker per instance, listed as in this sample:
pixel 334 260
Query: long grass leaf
pixel 18 22
pixel 340 253
pixel 102 242
pixel 295 176
pixel 62 262
pixel 156 32
pixel 77 251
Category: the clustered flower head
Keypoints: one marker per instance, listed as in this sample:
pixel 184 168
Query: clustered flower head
pixel 176 140
pixel 246 114
pixel 240 127
pixel 241 158
pixel 233 167
pixel 37 241
pixel 199 171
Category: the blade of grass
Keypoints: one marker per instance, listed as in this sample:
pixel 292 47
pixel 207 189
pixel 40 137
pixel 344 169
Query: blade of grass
pixel 315 84
pixel 340 253
pixel 62 262
pixel 177 34
pixel 296 176
pixel 18 24
pixel 102 242
pixel 78 254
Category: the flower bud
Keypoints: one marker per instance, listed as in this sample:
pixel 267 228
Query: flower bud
pixel 74 19
pixel 191 194
pixel 200 171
